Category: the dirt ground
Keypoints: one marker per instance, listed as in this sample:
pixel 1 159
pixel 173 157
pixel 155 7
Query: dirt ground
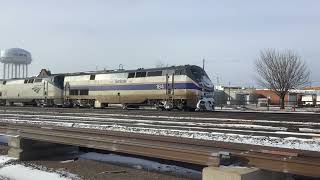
pixel 94 170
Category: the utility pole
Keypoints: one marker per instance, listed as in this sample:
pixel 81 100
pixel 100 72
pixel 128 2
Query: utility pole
pixel 203 61
pixel 229 92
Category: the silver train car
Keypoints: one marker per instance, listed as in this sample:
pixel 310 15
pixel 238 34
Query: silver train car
pixel 178 87
pixel 47 91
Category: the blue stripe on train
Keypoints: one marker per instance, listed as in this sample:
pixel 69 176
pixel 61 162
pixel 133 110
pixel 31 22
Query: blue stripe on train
pixel 136 87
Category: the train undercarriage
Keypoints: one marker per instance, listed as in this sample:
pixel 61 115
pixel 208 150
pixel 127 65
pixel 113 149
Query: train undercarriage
pixel 163 104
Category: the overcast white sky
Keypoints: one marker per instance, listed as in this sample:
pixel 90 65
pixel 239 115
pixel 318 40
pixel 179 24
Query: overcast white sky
pixel 80 35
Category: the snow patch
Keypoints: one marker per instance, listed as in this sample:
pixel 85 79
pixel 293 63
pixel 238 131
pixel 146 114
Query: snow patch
pixel 141 164
pixel 10 171
pixel 19 172
pixel 5 159
pixel 309 130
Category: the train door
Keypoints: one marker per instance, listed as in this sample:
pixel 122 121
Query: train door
pixel 45 91
pixel 170 85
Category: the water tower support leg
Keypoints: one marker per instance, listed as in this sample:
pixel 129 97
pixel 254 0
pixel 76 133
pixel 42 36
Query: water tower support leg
pixel 15 71
pixel 4 70
pixel 11 70
pixel 8 70
pixel 19 70
pixel 23 71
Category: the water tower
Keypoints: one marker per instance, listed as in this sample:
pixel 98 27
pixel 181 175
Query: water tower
pixel 15 62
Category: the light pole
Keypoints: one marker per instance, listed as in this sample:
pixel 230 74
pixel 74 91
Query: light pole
pixel 229 92
pixel 203 62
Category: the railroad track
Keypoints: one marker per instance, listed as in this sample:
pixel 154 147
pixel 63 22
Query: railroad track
pixel 218 114
pixel 126 117
pixel 281 142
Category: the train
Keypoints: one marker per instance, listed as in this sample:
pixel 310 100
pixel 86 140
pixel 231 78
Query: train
pixel 184 87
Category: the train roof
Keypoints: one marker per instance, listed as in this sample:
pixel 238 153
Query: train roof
pixel 123 70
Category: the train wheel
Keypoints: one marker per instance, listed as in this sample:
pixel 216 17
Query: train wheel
pixel 124 106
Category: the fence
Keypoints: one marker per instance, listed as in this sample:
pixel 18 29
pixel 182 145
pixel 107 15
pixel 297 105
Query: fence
pixel 266 105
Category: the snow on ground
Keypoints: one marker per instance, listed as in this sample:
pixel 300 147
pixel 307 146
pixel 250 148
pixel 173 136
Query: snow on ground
pixel 21 172
pixel 131 120
pixel 27 173
pixel 290 142
pixel 174 119
pixel 141 164
pixel 309 130
pixel 5 159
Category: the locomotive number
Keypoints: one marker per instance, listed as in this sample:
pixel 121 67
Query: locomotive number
pixel 160 86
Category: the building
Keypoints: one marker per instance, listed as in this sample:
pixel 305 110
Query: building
pixel 234 95
pixel 291 98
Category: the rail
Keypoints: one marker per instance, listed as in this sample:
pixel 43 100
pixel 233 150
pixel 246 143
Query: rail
pixel 201 152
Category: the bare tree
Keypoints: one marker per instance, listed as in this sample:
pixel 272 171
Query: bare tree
pixel 281 71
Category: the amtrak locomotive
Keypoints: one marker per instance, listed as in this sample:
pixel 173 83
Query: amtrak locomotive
pixel 185 87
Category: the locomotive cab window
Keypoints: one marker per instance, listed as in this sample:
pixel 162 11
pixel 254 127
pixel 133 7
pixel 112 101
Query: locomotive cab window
pixel 0 93
pixel 25 81
pixel 4 82
pixel 141 74
pixel 92 77
pixel 131 75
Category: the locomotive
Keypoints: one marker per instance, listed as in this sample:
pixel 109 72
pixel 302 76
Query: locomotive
pixel 185 87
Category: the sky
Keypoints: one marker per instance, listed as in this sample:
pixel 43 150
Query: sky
pixel 82 35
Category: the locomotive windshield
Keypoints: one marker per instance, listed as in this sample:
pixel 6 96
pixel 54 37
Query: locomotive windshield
pixel 200 76
pixel 59 81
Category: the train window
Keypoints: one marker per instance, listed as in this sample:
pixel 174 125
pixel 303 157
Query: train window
pixel 38 80
pixel 141 74
pixel 84 92
pixel 92 77
pixel 74 92
pixel 0 93
pixel 131 75
pixel 26 81
pixel 155 73
pixel 30 80
pixel 4 82
pixel 179 72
